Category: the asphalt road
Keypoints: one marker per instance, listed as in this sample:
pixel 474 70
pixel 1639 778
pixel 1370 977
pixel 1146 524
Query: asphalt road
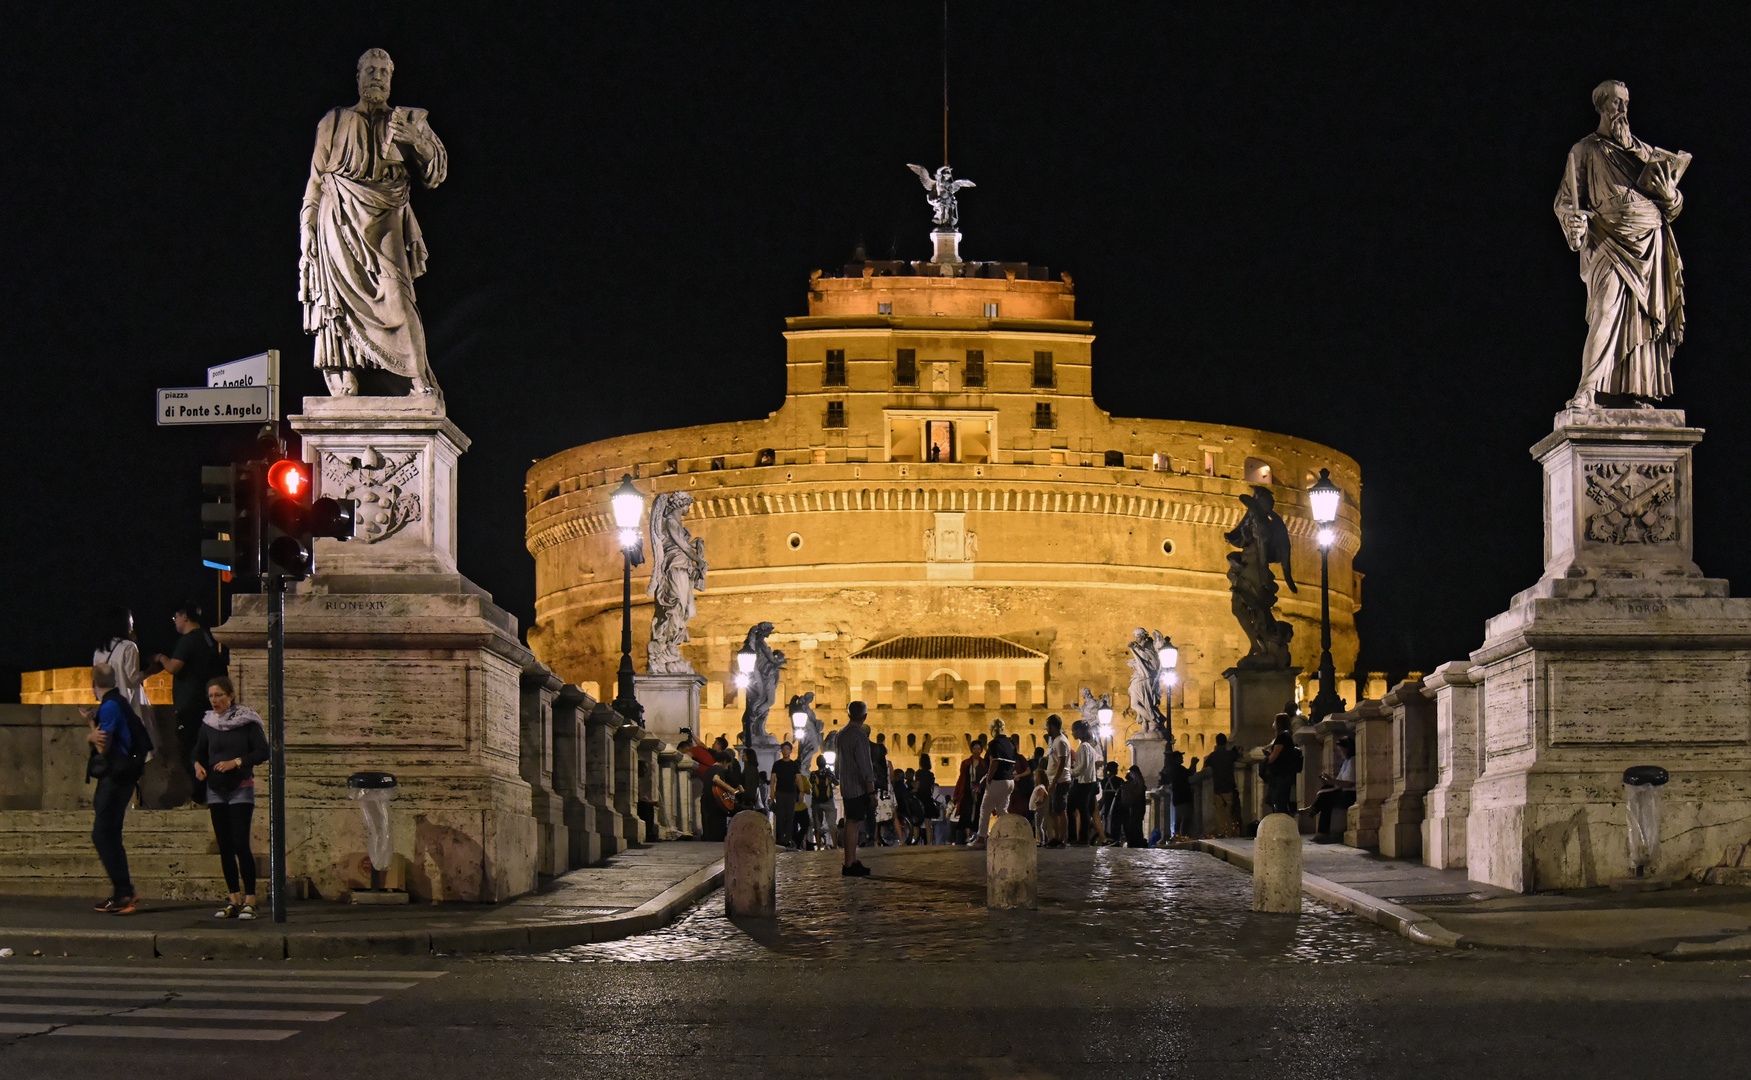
pixel 838 987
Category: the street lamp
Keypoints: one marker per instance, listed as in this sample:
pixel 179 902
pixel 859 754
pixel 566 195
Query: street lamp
pixel 744 668
pixel 799 723
pixel 1169 657
pixel 628 504
pixel 1105 716
pixel 1324 497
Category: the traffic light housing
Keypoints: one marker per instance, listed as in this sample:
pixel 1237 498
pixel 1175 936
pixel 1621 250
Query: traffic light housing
pixel 292 520
pixel 231 510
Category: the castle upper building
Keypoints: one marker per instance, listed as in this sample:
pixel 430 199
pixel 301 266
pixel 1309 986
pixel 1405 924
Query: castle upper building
pixel 941 521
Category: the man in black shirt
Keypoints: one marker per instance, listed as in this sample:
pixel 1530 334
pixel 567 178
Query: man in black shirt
pixel 1219 763
pixel 194 660
pixel 784 773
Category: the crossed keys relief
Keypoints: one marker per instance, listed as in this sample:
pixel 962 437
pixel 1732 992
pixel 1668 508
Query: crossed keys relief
pixel 381 484
pixel 1634 503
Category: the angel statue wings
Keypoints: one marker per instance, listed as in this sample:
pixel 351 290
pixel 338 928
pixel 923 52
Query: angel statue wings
pixel 1263 539
pixel 677 571
pixel 940 190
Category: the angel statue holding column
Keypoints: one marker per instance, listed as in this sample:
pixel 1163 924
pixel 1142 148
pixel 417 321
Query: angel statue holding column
pixel 677 571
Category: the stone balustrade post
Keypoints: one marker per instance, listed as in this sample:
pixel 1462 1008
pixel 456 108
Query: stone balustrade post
pixel 649 785
pixel 668 798
pixel 1372 724
pixel 626 739
pixel 599 774
pixel 539 687
pixel 570 706
pixel 1413 770
pixel 1458 761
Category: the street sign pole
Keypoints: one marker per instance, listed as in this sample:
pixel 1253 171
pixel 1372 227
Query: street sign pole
pixel 276 589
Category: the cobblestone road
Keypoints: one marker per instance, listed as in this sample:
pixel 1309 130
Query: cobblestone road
pixel 928 904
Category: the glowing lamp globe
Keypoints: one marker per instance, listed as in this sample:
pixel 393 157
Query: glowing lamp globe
pixel 1324 497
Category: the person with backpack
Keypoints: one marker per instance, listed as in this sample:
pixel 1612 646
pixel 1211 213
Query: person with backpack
pixel 230 744
pixel 1280 769
pixel 120 748
pixel 195 660
pixel 821 811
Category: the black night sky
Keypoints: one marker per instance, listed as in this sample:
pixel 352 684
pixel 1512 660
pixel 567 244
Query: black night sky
pixel 1330 221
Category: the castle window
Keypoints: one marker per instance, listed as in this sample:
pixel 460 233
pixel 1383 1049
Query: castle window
pixel 716 464
pixel 835 414
pixel 765 456
pixel 1163 463
pixel 974 373
pixel 833 374
pixel 1209 463
pixel 1043 415
pixel 990 311
pixel 1115 459
pixel 884 307
pixel 906 367
pixel 1258 471
pixel 1043 375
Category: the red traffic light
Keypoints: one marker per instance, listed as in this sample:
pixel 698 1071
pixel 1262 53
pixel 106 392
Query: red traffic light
pixel 288 478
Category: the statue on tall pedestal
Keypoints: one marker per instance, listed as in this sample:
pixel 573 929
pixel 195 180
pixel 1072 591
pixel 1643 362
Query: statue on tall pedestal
pixel 1263 539
pixel 809 742
pixel 1090 707
pixel 360 247
pixel 941 190
pixel 762 684
pixel 1143 654
pixel 1617 201
pixel 677 569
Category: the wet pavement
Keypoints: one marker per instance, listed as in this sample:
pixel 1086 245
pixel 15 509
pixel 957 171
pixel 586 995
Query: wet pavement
pixel 928 904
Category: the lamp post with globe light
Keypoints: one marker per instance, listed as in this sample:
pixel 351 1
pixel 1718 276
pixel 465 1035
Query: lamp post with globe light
pixel 1169 657
pixel 1105 716
pixel 628 504
pixel 745 659
pixel 1324 497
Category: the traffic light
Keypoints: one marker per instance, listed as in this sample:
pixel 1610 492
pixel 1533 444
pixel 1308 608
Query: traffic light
pixel 292 520
pixel 232 510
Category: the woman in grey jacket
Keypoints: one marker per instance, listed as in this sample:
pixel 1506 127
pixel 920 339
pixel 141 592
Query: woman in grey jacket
pixel 230 744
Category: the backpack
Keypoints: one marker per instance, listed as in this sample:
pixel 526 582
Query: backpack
pixel 820 785
pixel 113 762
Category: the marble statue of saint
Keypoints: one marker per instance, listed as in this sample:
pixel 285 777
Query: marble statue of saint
pixel 677 571
pixel 1090 707
pixel 810 742
pixel 1143 654
pixel 1263 539
pixel 360 247
pixel 1616 205
pixel 762 683
pixel 941 190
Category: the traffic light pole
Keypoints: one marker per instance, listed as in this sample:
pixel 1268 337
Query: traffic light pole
pixel 276 590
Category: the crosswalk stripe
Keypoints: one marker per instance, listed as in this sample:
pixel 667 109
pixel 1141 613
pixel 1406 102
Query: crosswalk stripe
pixel 15 979
pixel 103 1031
pixel 9 1009
pixel 154 969
pixel 283 1015
pixel 197 995
pixel 25 1029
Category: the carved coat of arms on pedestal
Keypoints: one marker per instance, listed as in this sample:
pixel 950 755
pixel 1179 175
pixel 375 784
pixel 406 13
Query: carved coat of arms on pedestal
pixel 385 485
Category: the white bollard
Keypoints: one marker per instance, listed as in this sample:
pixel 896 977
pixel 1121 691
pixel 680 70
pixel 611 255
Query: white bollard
pixel 1276 865
pixel 1012 864
pixel 750 868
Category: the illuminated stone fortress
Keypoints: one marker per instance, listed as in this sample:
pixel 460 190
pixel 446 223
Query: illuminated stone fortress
pixel 941 521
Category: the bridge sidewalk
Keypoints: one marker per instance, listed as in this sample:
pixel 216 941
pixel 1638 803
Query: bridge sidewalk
pixel 631 893
pixel 1445 908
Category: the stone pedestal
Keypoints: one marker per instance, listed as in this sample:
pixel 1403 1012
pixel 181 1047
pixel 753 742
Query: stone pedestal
pixel 1413 770
pixel 1371 723
pixel 765 749
pixel 1622 654
pixel 583 842
pixel 1012 864
pixel 1255 698
pixel 599 775
pixel 945 246
pixel 668 801
pixel 395 662
pixel 1276 866
pixel 671 702
pixel 1313 757
pixel 1453 688
pixel 750 868
pixel 552 846
pixel 650 793
pixel 1149 753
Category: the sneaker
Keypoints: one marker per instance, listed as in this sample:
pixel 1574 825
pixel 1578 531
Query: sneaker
pixel 124 906
pixel 976 845
pixel 248 912
pixel 229 911
pixel 107 906
pixel 858 870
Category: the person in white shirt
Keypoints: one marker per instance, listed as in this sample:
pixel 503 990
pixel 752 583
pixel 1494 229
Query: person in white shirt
pixel 1085 787
pixel 120 652
pixel 1057 780
pixel 1337 793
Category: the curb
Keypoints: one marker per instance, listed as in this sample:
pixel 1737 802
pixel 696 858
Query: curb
pixel 1737 947
pixel 1413 925
pixel 653 914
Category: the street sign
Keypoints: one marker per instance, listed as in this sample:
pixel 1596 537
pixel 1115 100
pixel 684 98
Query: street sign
pixel 262 369
pixel 214 405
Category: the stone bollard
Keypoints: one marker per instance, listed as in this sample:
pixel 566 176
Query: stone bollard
pixel 1276 865
pixel 750 868
pixel 1012 864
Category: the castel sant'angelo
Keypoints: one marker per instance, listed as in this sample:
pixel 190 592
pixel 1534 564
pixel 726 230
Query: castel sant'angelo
pixel 941 521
